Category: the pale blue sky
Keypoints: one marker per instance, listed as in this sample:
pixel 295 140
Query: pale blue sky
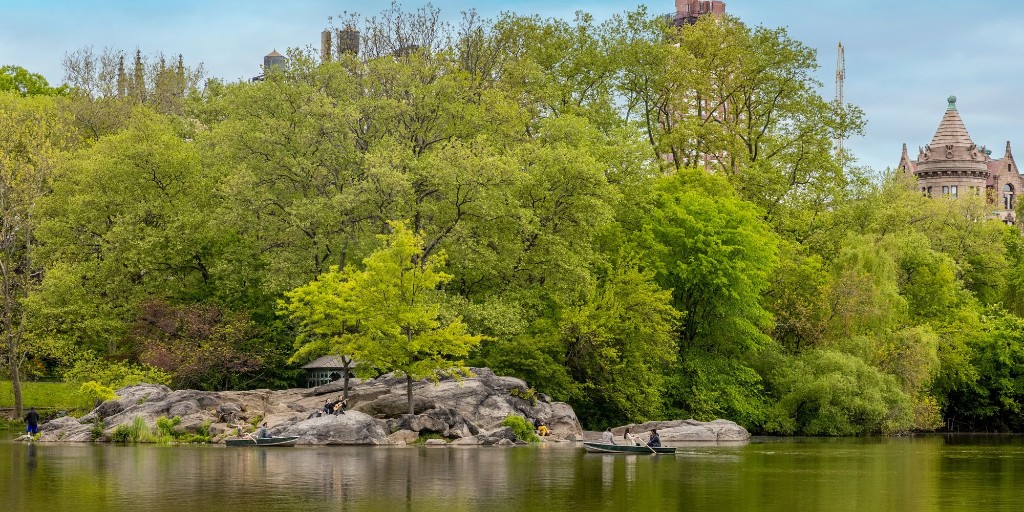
pixel 902 58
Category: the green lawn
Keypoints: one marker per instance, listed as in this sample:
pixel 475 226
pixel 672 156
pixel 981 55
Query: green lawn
pixel 47 396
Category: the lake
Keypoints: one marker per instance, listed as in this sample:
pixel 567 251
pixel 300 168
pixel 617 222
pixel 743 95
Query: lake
pixel 920 473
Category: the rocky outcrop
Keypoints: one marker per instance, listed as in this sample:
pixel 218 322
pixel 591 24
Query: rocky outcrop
pixel 471 409
pixel 689 431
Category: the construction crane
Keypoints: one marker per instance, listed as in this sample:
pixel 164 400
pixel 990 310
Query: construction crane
pixel 840 82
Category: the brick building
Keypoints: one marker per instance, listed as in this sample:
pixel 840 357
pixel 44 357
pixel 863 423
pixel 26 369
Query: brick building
pixel 952 165
pixel 687 11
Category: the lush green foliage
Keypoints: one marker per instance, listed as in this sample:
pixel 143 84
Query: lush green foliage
pixel 521 427
pixel 642 220
pixel 386 316
pixel 59 396
pixel 163 432
pixel 19 80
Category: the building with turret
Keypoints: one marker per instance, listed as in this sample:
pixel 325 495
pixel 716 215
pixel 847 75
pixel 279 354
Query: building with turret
pixel 952 166
pixel 689 11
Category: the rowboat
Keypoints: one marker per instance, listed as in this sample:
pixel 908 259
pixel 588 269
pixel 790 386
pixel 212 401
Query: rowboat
pixel 625 448
pixel 262 441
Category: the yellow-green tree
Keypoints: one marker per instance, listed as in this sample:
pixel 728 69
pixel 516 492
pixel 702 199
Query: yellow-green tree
pixel 387 315
pixel 33 131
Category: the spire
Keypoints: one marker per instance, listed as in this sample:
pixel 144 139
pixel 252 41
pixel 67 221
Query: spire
pixel 951 128
pixel 1008 148
pixel 905 150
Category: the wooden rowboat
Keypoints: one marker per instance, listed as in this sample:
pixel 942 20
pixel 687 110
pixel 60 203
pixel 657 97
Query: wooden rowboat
pixel 625 448
pixel 265 441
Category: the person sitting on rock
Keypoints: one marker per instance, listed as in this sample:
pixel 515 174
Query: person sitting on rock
pixel 328 406
pixel 540 427
pixel 340 405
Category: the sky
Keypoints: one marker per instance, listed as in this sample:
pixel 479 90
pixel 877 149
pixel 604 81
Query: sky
pixel 902 58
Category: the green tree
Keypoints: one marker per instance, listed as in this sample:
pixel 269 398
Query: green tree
pixel 33 132
pixel 618 344
pixel 981 381
pixel 394 308
pixel 19 80
pixel 825 392
pixel 716 254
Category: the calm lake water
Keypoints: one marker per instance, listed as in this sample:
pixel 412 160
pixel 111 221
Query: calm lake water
pixel 902 474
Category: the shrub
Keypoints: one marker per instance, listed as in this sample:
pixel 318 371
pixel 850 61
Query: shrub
pixel 96 391
pixel 136 432
pixel 530 394
pixel 522 428
pixel 424 437
pixel 97 429
pixel 165 426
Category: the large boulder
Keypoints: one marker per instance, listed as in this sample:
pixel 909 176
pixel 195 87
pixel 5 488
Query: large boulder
pixel 66 429
pixel 484 400
pixel 690 430
pixel 352 427
pixel 444 421
pixel 452 408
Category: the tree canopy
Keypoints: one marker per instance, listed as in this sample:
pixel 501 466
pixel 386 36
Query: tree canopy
pixel 643 220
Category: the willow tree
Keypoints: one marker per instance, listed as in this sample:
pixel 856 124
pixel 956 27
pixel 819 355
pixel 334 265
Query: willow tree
pixel 387 315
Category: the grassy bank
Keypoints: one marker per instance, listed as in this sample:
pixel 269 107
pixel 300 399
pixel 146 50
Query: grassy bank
pixel 47 397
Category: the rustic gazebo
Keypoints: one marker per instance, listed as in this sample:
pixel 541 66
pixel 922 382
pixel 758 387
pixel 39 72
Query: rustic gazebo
pixel 327 369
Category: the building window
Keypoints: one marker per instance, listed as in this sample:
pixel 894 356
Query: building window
pixel 1007 197
pixel 929 192
pixel 952 191
pixel 945 190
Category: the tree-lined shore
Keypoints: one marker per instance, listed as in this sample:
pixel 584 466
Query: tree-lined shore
pixel 643 221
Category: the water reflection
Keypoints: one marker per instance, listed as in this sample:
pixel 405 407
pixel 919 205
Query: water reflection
pixel 890 474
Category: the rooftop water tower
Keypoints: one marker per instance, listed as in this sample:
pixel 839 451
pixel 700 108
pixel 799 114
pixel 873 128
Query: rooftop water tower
pixel 274 60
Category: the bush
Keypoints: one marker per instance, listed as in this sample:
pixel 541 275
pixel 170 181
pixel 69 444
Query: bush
pixel 136 432
pixel 522 428
pixel 97 429
pixel 829 393
pixel 114 374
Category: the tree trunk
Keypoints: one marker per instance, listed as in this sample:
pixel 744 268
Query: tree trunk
pixel 16 385
pixel 344 388
pixel 408 391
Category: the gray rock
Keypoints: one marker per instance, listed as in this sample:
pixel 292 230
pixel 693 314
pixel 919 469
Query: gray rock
pixel 691 430
pixel 351 428
pixel 471 441
pixel 505 442
pixel 454 409
pixel 435 442
pixel 403 437
pixel 183 408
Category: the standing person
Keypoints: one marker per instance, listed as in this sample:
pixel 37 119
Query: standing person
pixel 655 440
pixel 32 418
pixel 608 437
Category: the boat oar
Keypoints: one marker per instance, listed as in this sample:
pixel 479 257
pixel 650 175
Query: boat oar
pixel 651 449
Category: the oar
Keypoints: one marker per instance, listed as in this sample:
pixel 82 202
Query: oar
pixel 651 449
